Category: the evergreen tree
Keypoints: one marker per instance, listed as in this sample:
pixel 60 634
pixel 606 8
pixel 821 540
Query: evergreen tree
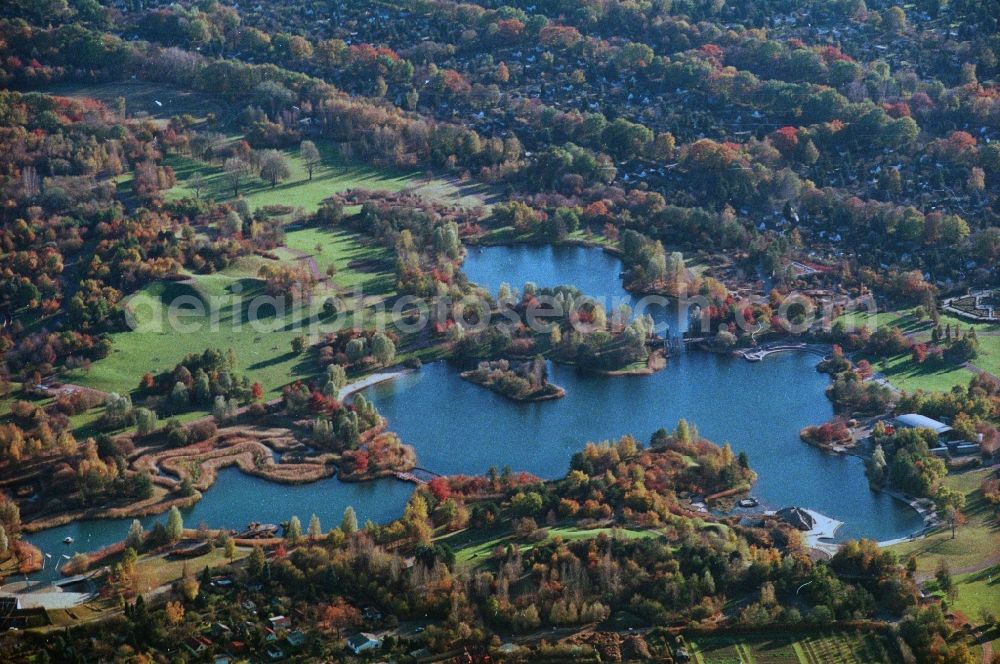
pixel 179 397
pixel 175 525
pixel 219 409
pixel 293 533
pixel 314 528
pixel 349 524
pixel 136 536
pixel 683 433
pixel 336 378
pixel 944 581
pixel 708 583
pixel 202 387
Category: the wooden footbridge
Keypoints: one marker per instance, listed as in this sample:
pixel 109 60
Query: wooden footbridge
pixel 417 475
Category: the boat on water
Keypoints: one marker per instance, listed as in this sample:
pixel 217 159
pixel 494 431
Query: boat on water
pixel 748 502
pixel 68 540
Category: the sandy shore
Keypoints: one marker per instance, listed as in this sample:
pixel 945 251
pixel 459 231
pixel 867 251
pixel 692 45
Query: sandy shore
pixel 368 381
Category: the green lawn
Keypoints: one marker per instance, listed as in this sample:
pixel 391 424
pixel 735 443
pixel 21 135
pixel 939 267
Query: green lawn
pixel 902 319
pixel 973 542
pixel 265 354
pixel 989 354
pixel 471 549
pixel 907 375
pixel 508 235
pixel 978 592
pixel 360 266
pixel 334 175
pixel 8 401
pixel 162 335
pixel 909 324
pixel 168 327
pixel 162 102
pixel 795 648
pixel 955 321
pixel 155 571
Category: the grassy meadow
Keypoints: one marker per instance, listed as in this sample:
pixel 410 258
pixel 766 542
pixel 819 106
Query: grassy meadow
pixel 978 538
pixel 473 551
pixel 358 266
pixel 264 350
pixel 173 319
pixel 794 648
pixel 153 100
pixel 902 372
pixel 978 592
pixel 335 174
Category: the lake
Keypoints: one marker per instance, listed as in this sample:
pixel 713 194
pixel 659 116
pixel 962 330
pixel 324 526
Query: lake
pixel 232 502
pixel 591 270
pixel 758 407
pixel 458 427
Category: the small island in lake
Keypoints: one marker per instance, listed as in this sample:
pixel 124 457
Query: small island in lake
pixel 833 436
pixel 521 381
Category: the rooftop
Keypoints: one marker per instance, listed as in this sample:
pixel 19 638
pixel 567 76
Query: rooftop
pixel 361 639
pixel 914 421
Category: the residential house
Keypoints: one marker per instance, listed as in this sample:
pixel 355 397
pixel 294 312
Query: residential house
pixel 280 622
pixel 363 641
pixel 198 645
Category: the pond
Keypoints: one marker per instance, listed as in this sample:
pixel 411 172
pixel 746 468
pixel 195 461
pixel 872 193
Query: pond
pixel 458 427
pixel 232 502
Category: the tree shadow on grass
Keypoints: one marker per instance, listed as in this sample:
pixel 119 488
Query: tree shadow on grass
pixel 908 324
pixel 272 361
pixel 382 284
pixel 174 290
pixel 991 575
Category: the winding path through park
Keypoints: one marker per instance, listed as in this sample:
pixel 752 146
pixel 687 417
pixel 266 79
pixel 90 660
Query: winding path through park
pixel 982 372
pixel 313 266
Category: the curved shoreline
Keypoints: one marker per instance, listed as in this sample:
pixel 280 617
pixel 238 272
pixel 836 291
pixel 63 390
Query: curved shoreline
pixel 111 513
pixel 929 525
pixel 369 380
pixel 212 461
pixel 657 361
pixel 478 242
pixel 208 460
pixel 161 506
pixel 830 547
pixel 931 520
